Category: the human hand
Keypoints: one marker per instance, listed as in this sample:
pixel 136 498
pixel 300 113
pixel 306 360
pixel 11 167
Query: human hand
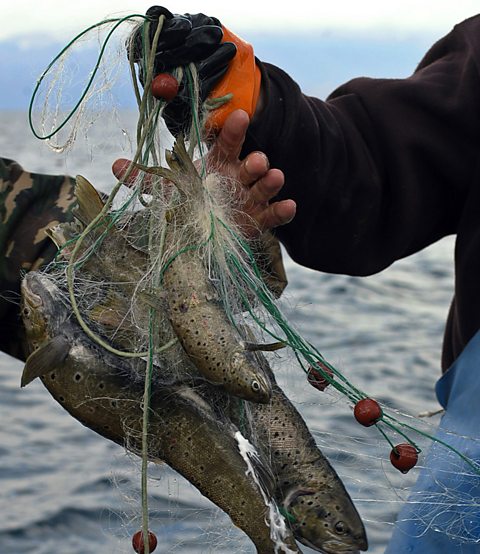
pixel 257 183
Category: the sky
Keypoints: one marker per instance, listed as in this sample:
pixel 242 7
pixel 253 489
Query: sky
pixel 59 19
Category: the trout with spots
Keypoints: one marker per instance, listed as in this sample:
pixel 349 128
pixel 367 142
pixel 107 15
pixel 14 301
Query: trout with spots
pixel 318 507
pixel 104 392
pixel 192 304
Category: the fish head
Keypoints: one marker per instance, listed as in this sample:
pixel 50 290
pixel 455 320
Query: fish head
pixel 40 306
pixel 252 383
pixel 34 315
pixel 325 522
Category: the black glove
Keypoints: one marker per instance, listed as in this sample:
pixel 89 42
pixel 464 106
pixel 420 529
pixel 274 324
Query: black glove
pixel 184 39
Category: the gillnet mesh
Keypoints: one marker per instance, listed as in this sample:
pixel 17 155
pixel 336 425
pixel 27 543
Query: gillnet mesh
pixel 175 227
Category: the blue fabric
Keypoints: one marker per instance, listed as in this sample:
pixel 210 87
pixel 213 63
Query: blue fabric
pixel 423 525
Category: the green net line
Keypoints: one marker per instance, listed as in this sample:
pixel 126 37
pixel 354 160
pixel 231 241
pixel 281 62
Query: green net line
pixel 306 350
pixel 118 22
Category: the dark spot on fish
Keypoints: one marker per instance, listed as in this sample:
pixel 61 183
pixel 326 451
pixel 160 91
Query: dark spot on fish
pixel 106 427
pixel 113 403
pixel 26 311
pixel 78 377
pixel 101 385
pixel 52 376
pixel 184 308
pixel 61 398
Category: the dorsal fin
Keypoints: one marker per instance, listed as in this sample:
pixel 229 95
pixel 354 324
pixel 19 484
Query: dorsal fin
pixel 47 357
pixel 179 160
pixel 89 201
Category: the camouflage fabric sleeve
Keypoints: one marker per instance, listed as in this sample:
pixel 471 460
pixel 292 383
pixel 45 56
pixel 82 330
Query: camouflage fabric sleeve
pixel 29 204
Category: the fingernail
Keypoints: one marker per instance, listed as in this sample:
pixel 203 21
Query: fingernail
pixel 248 161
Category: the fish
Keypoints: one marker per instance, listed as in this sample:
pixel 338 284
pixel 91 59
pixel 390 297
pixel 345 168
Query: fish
pixel 318 508
pixel 105 392
pixel 191 302
pixel 193 305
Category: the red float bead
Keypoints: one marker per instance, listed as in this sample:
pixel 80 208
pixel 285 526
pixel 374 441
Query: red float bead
pixel 138 545
pixel 164 87
pixel 316 378
pixel 367 411
pixel 404 456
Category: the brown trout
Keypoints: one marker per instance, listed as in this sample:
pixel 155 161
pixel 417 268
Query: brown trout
pixel 193 305
pixel 316 503
pixel 104 392
pixel 191 301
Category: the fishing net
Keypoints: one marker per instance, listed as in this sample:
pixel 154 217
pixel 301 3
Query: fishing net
pixel 113 262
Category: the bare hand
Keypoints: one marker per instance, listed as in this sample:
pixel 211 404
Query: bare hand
pixel 258 182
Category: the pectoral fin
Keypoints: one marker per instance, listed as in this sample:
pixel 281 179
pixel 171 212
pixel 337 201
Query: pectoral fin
pixel 46 358
pixel 269 347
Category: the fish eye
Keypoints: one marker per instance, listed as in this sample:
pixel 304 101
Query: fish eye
pixel 340 527
pixel 255 386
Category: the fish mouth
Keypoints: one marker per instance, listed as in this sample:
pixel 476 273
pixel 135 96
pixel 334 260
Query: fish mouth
pixel 333 546
pixel 30 298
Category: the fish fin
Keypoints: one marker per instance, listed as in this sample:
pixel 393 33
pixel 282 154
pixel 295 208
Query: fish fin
pixel 111 313
pixel 154 298
pixel 47 357
pixel 157 170
pixel 62 233
pixel 263 472
pixel 90 203
pixel 270 347
pixel 180 162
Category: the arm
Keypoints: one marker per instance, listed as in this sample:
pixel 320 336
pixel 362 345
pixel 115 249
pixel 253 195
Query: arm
pixel 382 168
pixel 29 204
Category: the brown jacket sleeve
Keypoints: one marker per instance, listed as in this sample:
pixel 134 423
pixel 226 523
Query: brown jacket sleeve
pixel 382 168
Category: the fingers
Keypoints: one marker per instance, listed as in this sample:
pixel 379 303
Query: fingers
pixel 266 188
pixel 276 214
pixel 253 167
pixel 228 144
pixel 120 169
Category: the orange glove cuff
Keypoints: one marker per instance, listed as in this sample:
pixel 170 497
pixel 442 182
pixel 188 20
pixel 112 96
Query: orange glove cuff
pixel 242 79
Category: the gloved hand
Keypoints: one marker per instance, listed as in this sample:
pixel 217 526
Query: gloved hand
pixel 224 62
